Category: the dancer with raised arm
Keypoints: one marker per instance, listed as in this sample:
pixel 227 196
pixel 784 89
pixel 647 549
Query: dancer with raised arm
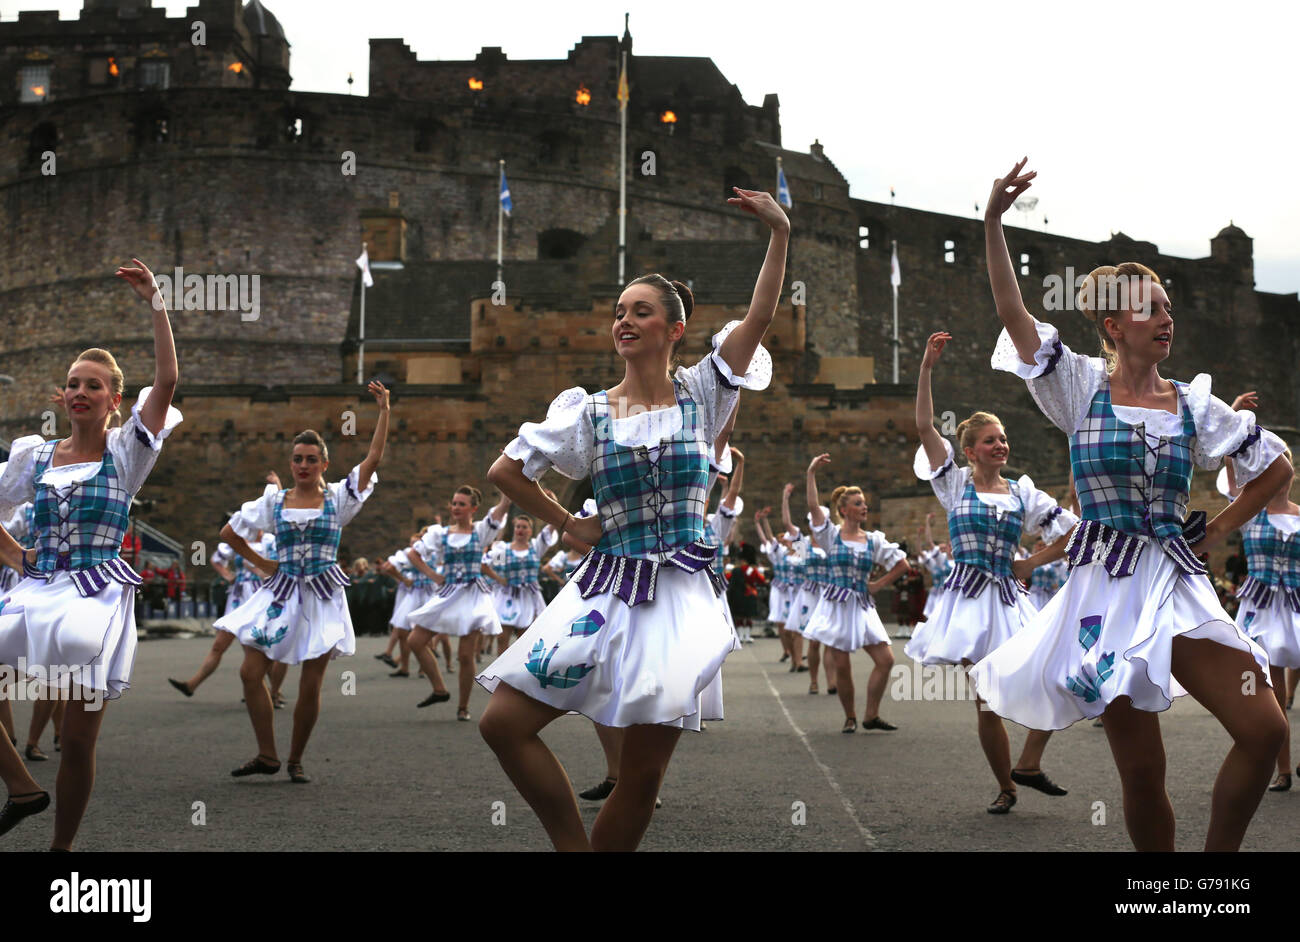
pixel 1138 622
pixel 73 617
pixel 984 604
pixel 519 599
pixel 300 614
pixel 1269 611
pixel 786 572
pixel 937 561
pixel 639 633
pixel 845 617
pixel 462 606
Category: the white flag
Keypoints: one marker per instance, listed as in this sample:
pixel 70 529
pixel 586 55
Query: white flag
pixel 895 276
pixel 364 264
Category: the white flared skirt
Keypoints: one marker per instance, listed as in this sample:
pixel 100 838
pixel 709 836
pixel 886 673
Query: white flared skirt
pixel 238 593
pixel 845 626
pixel 778 604
pixel 961 629
pixel 1039 596
pixel 1274 627
pixel 301 628
pixel 932 602
pixel 520 608
pixel 48 631
pixel 802 603
pixel 621 666
pixel 407 600
pixel 467 609
pixel 1103 637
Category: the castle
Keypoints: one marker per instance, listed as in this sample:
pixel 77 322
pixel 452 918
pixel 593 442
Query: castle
pixel 122 134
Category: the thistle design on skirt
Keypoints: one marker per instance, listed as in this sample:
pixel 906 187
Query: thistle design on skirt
pixel 539 660
pixel 1088 685
pixel 1245 625
pixel 263 635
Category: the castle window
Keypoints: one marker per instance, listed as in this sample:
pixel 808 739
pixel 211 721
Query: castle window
pixel 864 237
pixel 559 243
pixel 950 251
pixel 35 81
pixel 155 73
pixel 817 191
pixel 1024 263
pixel 101 71
pixel 153 127
pixel 295 129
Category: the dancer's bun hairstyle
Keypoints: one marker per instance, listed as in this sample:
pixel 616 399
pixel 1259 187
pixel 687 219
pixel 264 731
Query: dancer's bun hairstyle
pixel 969 428
pixel 1095 296
pixel 474 494
pixel 677 299
pixel 312 437
pixel 117 380
pixel 838 497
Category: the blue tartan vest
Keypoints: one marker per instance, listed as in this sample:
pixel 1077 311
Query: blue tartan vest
pixel 462 563
pixel 1108 458
pixel 521 570
pixel 652 502
pixel 985 536
pixel 1047 577
pixel 309 550
pixel 85 528
pixel 816 570
pixel 1272 557
pixel 847 568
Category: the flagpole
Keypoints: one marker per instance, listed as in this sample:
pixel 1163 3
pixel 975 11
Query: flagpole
pixel 622 182
pixel 895 287
pixel 361 348
pixel 501 212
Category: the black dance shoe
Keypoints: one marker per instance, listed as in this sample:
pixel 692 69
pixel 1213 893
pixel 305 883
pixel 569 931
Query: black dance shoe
pixel 14 812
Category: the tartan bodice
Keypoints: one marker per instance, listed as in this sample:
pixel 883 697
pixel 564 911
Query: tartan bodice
pixel 520 570
pixel 651 499
pixel 849 568
pixel 815 567
pixel 1272 556
pixel 462 563
pixel 29 539
pixel 311 549
pixel 1109 459
pixel 985 536
pixel 82 526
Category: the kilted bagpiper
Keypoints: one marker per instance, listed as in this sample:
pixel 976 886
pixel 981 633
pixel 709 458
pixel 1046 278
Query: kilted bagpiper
pixel 1138 621
pixel 1269 598
pixel 984 602
pixel 461 605
pixel 845 617
pixel 300 614
pixel 639 632
pixel 70 622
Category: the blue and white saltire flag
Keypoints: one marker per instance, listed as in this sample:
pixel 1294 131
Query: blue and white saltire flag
pixel 505 193
pixel 364 264
pixel 782 188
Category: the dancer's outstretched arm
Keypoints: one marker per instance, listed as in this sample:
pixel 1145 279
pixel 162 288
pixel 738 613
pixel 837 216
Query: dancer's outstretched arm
pixel 1002 273
pixel 166 374
pixel 785 511
pixel 737 474
pixel 814 502
pixel 930 437
pixel 738 349
pixel 376 453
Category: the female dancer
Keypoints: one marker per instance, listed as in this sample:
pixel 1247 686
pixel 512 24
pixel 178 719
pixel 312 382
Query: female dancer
pixel 462 606
pixel 244 581
pixel 937 561
pixel 639 633
pixel 786 567
pixel 845 617
pixel 518 598
pixel 984 603
pixel 407 598
pixel 74 614
pixel 1270 595
pixel 809 592
pixel 1046 581
pixel 300 614
pixel 1138 622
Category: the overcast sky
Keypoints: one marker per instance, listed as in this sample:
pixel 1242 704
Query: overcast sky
pixel 1161 119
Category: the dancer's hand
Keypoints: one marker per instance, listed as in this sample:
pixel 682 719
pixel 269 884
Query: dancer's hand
pixel 1247 400
pixel 762 205
pixel 934 347
pixel 737 456
pixel 819 462
pixel 380 392
pixel 274 479
pixel 142 282
pixel 1022 569
pixel 787 490
pixel 1007 189
pixel 586 529
pixel 271 568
